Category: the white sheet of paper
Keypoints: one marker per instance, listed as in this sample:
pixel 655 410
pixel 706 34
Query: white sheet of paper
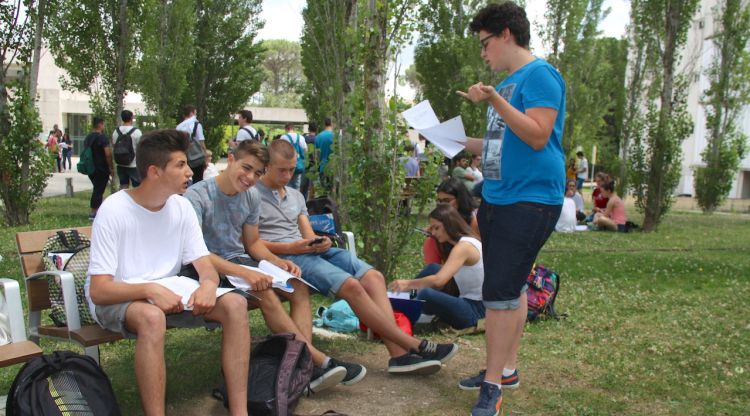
pixel 400 295
pixel 181 285
pixel 421 116
pixel 448 136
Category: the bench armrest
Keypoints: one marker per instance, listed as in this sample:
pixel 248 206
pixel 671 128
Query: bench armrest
pixel 15 309
pixel 350 245
pixel 70 300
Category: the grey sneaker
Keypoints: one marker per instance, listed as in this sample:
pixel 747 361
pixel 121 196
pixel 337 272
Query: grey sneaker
pixel 411 363
pixel 325 378
pixel 441 352
pixel 354 372
pixel 490 401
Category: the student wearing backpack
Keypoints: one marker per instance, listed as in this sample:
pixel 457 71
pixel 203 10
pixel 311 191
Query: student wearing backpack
pixel 228 209
pixel 463 264
pixel 103 167
pixel 125 139
pixel 524 182
pixel 144 235
pixel 246 131
pixel 300 147
pixel 196 153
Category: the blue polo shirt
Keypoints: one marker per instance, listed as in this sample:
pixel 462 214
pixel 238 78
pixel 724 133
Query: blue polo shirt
pixel 513 171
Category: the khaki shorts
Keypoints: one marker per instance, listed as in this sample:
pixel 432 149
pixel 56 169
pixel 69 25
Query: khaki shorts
pixel 112 317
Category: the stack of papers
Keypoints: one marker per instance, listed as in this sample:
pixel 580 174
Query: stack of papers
pixel 448 136
pixel 280 277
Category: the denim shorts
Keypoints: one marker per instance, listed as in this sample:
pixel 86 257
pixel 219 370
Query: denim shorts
pixel 128 176
pixel 328 271
pixel 512 236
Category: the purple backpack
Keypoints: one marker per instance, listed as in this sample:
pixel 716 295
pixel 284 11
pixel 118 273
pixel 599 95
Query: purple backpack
pixel 543 286
pixel 280 371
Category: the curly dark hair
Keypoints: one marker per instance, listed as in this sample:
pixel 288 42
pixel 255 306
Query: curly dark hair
pixel 495 18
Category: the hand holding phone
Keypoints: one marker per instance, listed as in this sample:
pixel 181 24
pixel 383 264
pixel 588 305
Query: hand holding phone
pixel 318 240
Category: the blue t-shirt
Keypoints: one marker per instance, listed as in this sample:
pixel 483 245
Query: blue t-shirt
pixel 324 142
pixel 513 171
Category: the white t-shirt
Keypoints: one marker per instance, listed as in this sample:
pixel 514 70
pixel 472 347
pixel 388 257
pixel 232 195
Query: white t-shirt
pixel 135 135
pixel 243 135
pixel 469 279
pixel 188 125
pixel 476 173
pixel 130 242
pixel 583 169
pixel 296 138
pixel 567 221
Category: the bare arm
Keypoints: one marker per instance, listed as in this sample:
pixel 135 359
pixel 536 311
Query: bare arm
pixel 257 281
pixel 259 251
pixel 108 157
pixel 533 127
pixel 461 254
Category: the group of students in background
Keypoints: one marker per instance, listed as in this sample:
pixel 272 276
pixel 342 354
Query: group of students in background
pixel 60 147
pixel 607 213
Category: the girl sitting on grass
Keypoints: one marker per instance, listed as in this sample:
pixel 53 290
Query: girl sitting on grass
pixel 613 218
pixel 463 252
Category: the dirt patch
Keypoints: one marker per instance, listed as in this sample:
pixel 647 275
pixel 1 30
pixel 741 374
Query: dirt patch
pixel 380 393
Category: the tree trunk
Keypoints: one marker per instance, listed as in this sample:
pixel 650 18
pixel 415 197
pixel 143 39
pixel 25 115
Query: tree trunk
pixel 654 203
pixel 122 56
pixel 41 14
pixel 634 94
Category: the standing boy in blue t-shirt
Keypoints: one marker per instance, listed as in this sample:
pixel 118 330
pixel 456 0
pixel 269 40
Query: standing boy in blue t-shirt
pixel 524 183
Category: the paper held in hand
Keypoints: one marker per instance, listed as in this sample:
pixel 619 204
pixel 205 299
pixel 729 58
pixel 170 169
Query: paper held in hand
pixel 280 277
pixel 448 136
pixel 182 286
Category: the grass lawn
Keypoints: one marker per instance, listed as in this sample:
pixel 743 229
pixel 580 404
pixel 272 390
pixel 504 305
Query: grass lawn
pixel 658 324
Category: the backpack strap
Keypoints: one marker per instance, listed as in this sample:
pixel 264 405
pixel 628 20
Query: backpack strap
pixel 292 353
pixel 195 129
pixel 132 130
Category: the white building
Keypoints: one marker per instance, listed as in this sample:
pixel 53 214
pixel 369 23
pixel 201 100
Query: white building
pixel 698 54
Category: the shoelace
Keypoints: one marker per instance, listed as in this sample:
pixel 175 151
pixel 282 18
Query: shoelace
pixel 430 348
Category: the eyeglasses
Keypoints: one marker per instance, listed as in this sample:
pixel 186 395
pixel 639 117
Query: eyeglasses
pixel 446 200
pixel 485 40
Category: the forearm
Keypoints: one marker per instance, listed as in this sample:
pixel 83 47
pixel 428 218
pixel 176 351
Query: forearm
pixel 259 251
pixel 111 292
pixel 526 128
pixel 279 248
pixel 225 267
pixel 474 145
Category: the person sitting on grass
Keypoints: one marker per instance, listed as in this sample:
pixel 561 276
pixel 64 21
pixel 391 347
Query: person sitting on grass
pixel 613 218
pixel 228 208
pixel 463 264
pixel 145 234
pixel 285 229
pixel 599 200
pixel 572 192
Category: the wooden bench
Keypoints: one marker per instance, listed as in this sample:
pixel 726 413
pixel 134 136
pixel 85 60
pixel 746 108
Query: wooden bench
pixel 19 350
pixel 30 244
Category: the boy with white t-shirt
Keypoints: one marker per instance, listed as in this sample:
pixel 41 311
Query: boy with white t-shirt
pixel 146 234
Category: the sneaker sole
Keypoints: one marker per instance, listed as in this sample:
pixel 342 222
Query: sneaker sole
pixel 511 386
pixel 424 368
pixel 357 379
pixel 330 379
pixel 465 388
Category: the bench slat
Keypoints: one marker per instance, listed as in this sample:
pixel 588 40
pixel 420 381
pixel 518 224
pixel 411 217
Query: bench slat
pixel 18 352
pixel 53 331
pixel 94 335
pixel 32 263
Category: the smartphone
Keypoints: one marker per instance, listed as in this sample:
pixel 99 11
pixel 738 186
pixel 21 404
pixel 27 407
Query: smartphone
pixel 318 240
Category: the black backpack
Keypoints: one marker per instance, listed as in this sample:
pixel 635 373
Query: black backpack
pixel 195 155
pixel 61 383
pixel 123 150
pixel 280 371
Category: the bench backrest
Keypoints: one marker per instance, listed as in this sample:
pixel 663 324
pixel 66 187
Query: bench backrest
pixel 30 245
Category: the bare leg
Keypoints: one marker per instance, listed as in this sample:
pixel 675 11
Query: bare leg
pixel 299 306
pixel 512 361
pixel 150 325
pixel 378 318
pixel 503 332
pixel 602 221
pixel 231 312
pixel 278 321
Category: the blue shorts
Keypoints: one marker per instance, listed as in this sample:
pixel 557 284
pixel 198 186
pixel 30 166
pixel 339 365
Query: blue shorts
pixel 512 236
pixel 328 271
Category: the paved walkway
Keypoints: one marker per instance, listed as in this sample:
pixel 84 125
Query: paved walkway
pixel 56 182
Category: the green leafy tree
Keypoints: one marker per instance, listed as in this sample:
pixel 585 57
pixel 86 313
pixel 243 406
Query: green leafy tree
pixel 724 101
pixel 166 54
pixel 446 59
pixel 24 163
pixel 284 76
pixel 225 70
pixel 655 162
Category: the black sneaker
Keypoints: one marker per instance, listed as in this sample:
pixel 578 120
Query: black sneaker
pixel 325 378
pixel 411 363
pixel 354 372
pixel 441 352
pixel 475 382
